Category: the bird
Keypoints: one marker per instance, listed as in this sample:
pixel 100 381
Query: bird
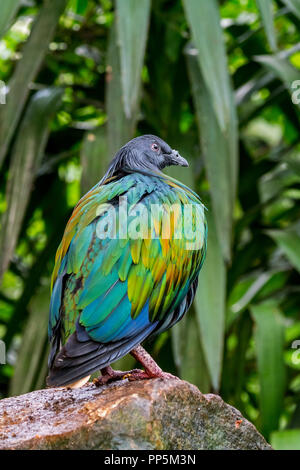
pixel 124 271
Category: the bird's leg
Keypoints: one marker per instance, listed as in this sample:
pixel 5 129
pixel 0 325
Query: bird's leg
pixel 151 368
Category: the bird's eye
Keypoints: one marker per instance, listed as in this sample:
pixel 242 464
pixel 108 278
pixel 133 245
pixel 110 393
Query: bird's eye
pixel 155 147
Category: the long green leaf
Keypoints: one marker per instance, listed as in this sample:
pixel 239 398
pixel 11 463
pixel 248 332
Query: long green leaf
pixel 217 151
pixel 210 304
pixel 26 156
pixel 186 340
pixel 8 11
pixel 94 158
pixel 188 352
pixel 294 6
pixel 269 343
pixel 30 370
pixel 132 31
pixel 289 242
pixel 204 20
pixel 119 128
pixel 27 68
pixel 266 12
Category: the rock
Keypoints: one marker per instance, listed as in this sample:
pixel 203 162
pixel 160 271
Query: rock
pixel 150 414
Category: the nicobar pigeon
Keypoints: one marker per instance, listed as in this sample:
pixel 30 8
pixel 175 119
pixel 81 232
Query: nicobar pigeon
pixel 110 293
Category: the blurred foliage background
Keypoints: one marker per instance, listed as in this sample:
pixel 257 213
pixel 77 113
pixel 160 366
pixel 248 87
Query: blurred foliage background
pixel 219 81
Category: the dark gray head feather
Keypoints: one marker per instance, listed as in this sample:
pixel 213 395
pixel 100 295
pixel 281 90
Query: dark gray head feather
pixel 147 152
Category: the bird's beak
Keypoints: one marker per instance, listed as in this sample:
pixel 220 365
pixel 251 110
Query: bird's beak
pixel 177 159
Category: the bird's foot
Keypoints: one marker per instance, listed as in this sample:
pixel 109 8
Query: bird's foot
pixel 152 370
pixel 110 375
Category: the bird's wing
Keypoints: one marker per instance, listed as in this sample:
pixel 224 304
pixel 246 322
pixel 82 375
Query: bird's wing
pixel 122 288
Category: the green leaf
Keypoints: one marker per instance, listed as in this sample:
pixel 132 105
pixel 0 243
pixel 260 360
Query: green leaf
pixel 210 304
pixel 188 352
pixel 31 365
pixel 219 156
pixel 8 11
pixel 120 129
pixel 79 6
pixel 245 292
pixel 204 20
pixel 274 182
pixel 28 66
pixel 186 342
pixel 289 439
pixel 289 242
pixel 269 344
pixel 94 158
pixel 281 67
pixel 294 6
pixel 132 31
pixel 27 153
pixel 266 12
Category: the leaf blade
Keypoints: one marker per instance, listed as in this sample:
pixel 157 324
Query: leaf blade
pixel 27 68
pixel 294 6
pixel 204 20
pixel 9 9
pixel 220 160
pixel 119 128
pixel 289 242
pixel 210 304
pixel 94 158
pixel 132 29
pixel 266 12
pixel 26 156
pixel 269 344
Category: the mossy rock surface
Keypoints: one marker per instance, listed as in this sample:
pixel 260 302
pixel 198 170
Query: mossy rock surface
pixel 150 414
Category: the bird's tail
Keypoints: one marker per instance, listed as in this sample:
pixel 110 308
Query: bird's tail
pixel 81 356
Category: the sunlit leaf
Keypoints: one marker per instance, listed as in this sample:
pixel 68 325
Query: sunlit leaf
pixel 33 54
pixel 269 344
pixel 132 31
pixel 26 156
pixel 288 439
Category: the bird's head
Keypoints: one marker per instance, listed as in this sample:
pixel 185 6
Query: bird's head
pixel 146 152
